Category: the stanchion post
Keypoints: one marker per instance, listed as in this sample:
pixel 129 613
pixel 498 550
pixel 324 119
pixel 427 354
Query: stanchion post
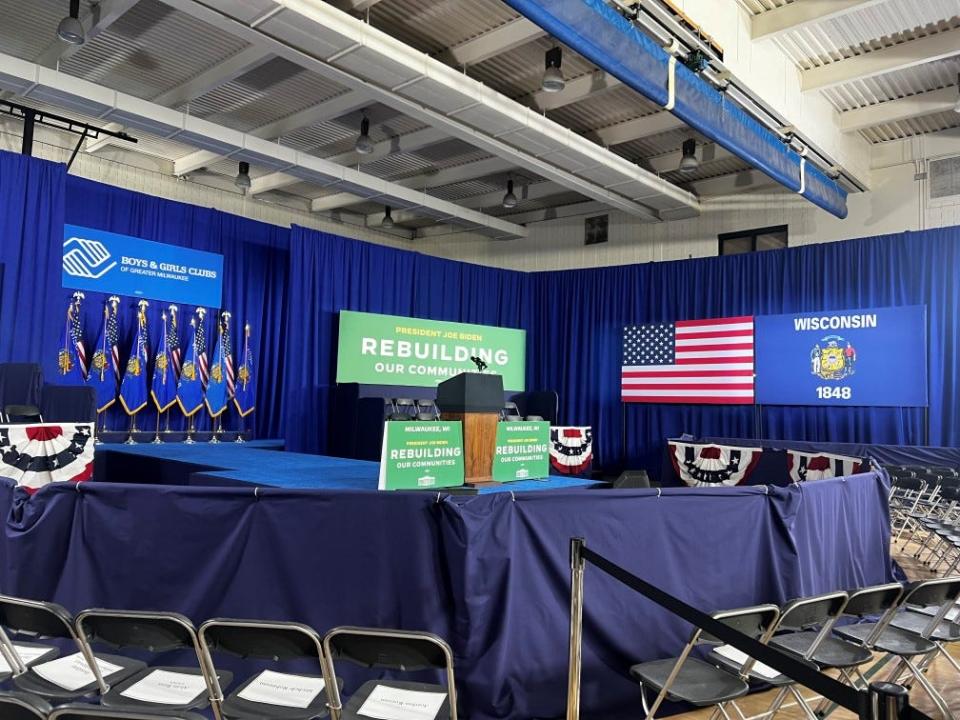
pixel 888 702
pixel 133 430
pixel 576 627
pixel 191 428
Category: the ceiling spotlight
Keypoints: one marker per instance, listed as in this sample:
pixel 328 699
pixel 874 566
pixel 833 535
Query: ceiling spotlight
pixel 509 200
pixel 552 77
pixel 364 144
pixel 70 28
pixel 387 221
pixel 689 162
pixel 242 180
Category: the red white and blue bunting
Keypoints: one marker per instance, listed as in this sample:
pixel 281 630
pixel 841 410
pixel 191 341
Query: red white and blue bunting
pixel 804 467
pixel 36 455
pixel 571 450
pixel 708 465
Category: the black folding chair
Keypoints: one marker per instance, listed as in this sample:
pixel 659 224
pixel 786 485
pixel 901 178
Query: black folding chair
pixel 807 622
pixel 698 682
pixel 403 650
pixel 22 414
pixel 427 407
pixel 908 645
pixel 274 641
pixel 405 406
pixel 49 620
pixel 187 688
pixel 23 706
pixel 80 711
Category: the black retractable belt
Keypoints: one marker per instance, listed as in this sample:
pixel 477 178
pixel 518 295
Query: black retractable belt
pixel 883 702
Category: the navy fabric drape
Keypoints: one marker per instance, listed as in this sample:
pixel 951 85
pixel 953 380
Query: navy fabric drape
pixel 329 273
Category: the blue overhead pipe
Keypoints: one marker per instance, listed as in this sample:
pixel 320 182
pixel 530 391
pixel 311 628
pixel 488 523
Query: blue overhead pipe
pixel 613 43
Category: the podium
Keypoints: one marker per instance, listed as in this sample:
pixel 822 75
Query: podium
pixel 476 400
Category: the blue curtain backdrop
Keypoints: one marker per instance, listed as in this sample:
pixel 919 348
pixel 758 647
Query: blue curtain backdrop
pixel 329 273
pixel 290 285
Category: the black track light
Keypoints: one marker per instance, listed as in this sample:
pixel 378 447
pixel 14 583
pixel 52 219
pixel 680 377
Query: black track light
pixel 70 28
pixel 242 180
pixel 364 144
pixel 689 162
pixel 509 200
pixel 552 77
pixel 387 221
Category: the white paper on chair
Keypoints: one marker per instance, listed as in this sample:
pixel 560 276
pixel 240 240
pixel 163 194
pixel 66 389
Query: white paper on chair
pixel 390 703
pixel 71 672
pixel 731 653
pixel 274 688
pixel 27 655
pixel 167 687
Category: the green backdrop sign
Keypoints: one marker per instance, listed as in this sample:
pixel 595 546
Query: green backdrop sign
pixel 391 350
pixel 523 451
pixel 421 455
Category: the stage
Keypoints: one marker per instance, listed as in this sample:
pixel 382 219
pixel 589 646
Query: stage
pixel 305 538
pixel 262 463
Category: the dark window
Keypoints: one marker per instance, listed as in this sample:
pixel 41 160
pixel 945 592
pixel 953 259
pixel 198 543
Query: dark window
pixel 595 230
pixel 768 238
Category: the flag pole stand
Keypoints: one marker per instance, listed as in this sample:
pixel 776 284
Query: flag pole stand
pixel 166 423
pixel 133 429
pixel 97 430
pixel 217 429
pixel 240 431
pixel 191 428
pixel 156 437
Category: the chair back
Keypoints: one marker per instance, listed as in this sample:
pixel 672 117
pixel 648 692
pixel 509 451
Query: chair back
pixel 426 417
pixel 259 639
pixel 36 618
pixel 755 621
pixel 155 632
pixel 512 418
pixel 22 706
pixel 22 414
pixel 405 405
pixel 939 592
pixel 806 613
pixel 82 711
pixel 874 600
pixel 20 383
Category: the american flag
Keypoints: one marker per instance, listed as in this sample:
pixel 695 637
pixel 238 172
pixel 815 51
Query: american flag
pixel 201 351
pixel 113 340
pixel 690 361
pixel 228 359
pixel 173 340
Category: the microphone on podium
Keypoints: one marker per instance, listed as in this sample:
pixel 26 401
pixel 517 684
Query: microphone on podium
pixel 481 365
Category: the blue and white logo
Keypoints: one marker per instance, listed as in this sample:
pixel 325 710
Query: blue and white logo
pixel 86 258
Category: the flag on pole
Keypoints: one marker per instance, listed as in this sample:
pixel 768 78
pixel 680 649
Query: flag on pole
pixel 173 338
pixel 72 356
pixel 218 386
pixel 164 388
pixel 104 373
pixel 190 386
pixel 245 398
pixel 133 387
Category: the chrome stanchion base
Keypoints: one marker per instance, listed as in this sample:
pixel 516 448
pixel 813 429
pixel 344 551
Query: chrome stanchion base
pixel 191 428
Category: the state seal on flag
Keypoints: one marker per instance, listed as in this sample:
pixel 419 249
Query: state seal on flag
pixel 833 358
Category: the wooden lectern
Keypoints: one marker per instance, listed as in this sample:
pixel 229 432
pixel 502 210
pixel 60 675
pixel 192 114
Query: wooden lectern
pixel 476 400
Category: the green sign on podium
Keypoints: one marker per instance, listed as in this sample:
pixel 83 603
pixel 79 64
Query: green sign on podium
pixel 421 455
pixel 523 451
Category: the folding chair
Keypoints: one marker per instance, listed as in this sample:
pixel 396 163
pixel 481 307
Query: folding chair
pixel 153 688
pixel 428 407
pixel 22 414
pixel 939 604
pixel 697 682
pixel 426 417
pixel 406 406
pixel 512 418
pixel 403 650
pixel 905 644
pixel 808 622
pixel 268 694
pixel 66 678
pixel 510 409
pixel 23 706
pixel 80 711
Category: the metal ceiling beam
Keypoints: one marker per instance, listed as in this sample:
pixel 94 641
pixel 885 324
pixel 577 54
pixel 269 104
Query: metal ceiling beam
pixel 220 74
pixel 32 80
pixel 448 176
pixel 798 14
pixel 321 112
pixel 411 142
pixel 897 57
pixel 734 184
pixel 896 110
pixel 332 43
pixel 641 127
pixel 494 42
pixel 97 19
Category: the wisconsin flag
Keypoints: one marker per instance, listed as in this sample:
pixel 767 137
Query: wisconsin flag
pixel 221 371
pixel 72 356
pixel 133 387
pixel 104 374
pixel 164 389
pixel 190 386
pixel 245 399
